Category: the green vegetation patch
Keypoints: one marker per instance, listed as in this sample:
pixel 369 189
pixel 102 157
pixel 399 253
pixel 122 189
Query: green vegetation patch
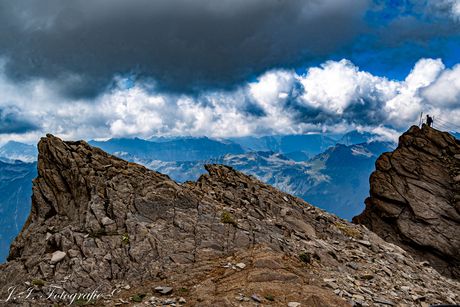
pixel 305 258
pixel 182 290
pixel 226 218
pixel 349 231
pixel 83 302
pixel 102 232
pixel 269 297
pixel 98 233
pixel 137 298
pixel 332 254
pixel 125 238
pixel 38 283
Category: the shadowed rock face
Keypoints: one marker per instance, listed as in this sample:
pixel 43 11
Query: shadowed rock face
pixel 415 198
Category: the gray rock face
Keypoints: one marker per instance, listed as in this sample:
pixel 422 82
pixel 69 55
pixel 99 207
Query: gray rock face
pixel 96 219
pixel 414 198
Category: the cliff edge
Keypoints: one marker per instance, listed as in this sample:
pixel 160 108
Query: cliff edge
pixel 415 198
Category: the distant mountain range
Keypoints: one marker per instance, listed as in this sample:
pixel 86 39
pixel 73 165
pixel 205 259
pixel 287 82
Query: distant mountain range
pixel 312 144
pixel 336 180
pixel 15 192
pixel 187 149
pixel 347 169
pixel 355 137
pixel 18 151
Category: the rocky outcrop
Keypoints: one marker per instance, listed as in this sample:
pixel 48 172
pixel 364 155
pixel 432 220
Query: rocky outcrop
pixel 415 198
pixel 99 223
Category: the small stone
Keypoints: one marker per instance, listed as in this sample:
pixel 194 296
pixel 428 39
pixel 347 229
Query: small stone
pixel 57 256
pixel 127 287
pixel 386 270
pixel 367 276
pixel 169 301
pixel 382 301
pixel 457 178
pixel 166 290
pixel 333 285
pixel 255 298
pixel 450 301
pixel 424 263
pixel 182 300
pixel 352 265
pixel 107 221
pixel 240 265
pixel 238 298
pixel 405 288
pixel 358 296
pixel 359 301
pixel 283 212
pixel 367 290
pixel 423 304
pixel 365 243
pixel 293 304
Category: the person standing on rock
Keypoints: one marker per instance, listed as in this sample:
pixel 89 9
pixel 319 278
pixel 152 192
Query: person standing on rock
pixel 429 120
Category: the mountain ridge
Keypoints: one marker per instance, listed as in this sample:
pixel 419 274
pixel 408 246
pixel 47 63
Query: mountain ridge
pixel 228 238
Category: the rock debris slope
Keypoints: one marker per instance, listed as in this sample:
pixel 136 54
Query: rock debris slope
pixel 226 240
pixel 415 198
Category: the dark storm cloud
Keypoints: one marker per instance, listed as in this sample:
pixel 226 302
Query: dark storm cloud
pixel 11 121
pixel 252 108
pixel 185 46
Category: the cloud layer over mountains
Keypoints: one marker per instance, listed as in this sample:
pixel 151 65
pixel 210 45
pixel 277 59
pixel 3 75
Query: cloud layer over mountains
pixel 99 69
pixel 334 97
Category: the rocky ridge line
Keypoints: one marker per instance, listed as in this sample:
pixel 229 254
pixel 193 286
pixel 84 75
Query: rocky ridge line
pixel 225 240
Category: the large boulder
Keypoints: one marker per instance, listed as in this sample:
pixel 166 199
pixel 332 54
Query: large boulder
pixel 415 197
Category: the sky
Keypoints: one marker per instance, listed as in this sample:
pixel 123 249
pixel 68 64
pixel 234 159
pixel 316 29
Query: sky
pixel 139 68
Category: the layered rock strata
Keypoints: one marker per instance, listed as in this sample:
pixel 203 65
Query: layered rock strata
pixel 415 198
pixel 98 222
